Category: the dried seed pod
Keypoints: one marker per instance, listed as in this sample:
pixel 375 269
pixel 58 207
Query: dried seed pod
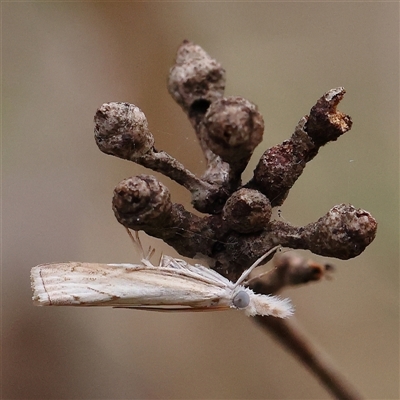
pixel 228 129
pixel 196 79
pixel 121 130
pixel 290 269
pixel 344 232
pixel 247 211
pixel 234 129
pixel 281 165
pixel 325 123
pixel 142 201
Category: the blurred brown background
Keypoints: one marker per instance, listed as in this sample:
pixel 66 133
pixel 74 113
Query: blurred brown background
pixel 63 60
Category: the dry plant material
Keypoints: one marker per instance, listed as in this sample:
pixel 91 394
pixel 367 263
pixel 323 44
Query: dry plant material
pixel 236 227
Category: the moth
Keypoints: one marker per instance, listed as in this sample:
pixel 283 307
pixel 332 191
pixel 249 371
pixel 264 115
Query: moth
pixel 172 285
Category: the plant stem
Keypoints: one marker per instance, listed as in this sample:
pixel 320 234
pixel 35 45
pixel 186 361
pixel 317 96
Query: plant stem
pixel 293 338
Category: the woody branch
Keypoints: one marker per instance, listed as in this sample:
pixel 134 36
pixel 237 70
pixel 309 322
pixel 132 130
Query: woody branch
pixel 236 226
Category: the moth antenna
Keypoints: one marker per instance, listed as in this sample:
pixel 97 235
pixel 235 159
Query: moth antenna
pixel 258 276
pixel 255 264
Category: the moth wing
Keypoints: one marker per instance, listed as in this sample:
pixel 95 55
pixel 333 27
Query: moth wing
pixel 199 271
pixel 85 284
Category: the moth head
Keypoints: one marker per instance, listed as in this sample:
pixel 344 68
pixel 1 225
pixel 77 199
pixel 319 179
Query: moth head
pixel 241 299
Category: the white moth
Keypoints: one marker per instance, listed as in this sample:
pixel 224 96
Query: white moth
pixel 172 285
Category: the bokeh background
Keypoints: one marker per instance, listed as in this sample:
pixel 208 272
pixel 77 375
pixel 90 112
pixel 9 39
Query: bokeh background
pixel 61 61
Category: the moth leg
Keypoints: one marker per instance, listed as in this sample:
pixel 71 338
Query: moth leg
pixel 138 245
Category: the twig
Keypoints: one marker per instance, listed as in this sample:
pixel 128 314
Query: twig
pixel 294 339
